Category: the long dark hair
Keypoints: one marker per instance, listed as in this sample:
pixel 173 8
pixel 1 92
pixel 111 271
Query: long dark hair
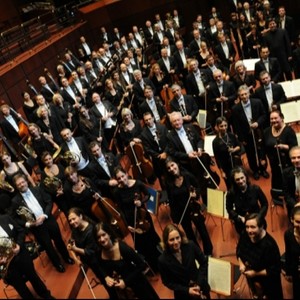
pixel 108 229
pixel 234 171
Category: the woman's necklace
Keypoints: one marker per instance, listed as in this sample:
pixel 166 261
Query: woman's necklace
pixel 277 132
pixel 51 170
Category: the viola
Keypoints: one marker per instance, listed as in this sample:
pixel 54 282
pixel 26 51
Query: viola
pixel 167 95
pixel 141 166
pixel 196 207
pixel 142 224
pixel 23 124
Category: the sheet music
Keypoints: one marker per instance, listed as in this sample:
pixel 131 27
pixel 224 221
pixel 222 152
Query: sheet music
pixel 201 118
pixel 291 111
pixel 216 203
pixel 220 276
pixel 208 140
pixel 291 88
pixel 250 64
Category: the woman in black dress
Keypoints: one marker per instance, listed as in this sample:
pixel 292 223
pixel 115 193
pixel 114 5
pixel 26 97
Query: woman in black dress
pixel 279 139
pixel 181 187
pixel 292 252
pixel 226 148
pixel 131 196
pixel 178 265
pixel 29 107
pixel 122 267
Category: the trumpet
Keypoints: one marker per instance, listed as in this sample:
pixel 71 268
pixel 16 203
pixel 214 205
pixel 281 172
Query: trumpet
pixel 4 185
pixel 6 252
pixel 26 214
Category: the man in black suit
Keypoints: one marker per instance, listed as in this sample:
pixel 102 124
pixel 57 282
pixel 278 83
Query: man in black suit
pixel 47 89
pixel 158 37
pixel 291 180
pixel 167 64
pixel 212 65
pixel 267 63
pixel 41 222
pixel 152 104
pixel 181 55
pixel 170 31
pixel 105 36
pixel 80 153
pixel 194 45
pixel 185 104
pixel 196 84
pixel 154 139
pixel 287 23
pixel 220 97
pixel 271 94
pixel 149 32
pixel 85 49
pixel 225 51
pixel 21 267
pixel 70 93
pixel 102 167
pixel 278 41
pixel 249 119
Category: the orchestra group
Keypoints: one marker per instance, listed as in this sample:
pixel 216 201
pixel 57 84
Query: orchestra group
pixel 120 118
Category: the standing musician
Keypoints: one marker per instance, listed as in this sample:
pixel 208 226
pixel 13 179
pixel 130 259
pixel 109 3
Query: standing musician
pixel 221 96
pixel 259 259
pixel 47 89
pixel 243 199
pixel 152 104
pixel 154 139
pixel 20 268
pixel 167 64
pixel 185 104
pixel 182 265
pixel 131 196
pixel 102 168
pixel 32 207
pixel 249 119
pixel 183 194
pixel 291 180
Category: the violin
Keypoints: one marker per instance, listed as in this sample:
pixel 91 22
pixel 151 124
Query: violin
pixel 107 211
pixel 141 224
pixel 141 166
pixel 167 95
pixel 196 207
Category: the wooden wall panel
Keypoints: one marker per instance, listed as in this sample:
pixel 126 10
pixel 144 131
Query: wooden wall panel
pixel 12 77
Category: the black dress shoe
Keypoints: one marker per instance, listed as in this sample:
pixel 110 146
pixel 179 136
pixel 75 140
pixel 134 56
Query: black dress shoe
pixel 255 175
pixel 70 261
pixel 265 174
pixel 60 268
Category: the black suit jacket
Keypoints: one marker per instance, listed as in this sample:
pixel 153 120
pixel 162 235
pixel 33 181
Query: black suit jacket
pixel 191 84
pixel 190 106
pixel 13 229
pixel 9 131
pixel 289 186
pixel 180 67
pixel 219 52
pixel 151 146
pixel 47 93
pixel 41 196
pixel 240 121
pixel 164 68
pixel 139 92
pixel 278 95
pixel 194 47
pixel 108 106
pixel 175 146
pixel 144 107
pixel 274 69
pixel 68 97
pixel 148 35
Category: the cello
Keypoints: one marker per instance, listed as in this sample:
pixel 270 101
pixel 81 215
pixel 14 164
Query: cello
pixel 141 166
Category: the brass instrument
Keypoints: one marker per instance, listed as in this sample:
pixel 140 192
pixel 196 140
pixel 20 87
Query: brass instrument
pixel 52 183
pixel 4 185
pixel 6 252
pixel 71 158
pixel 26 214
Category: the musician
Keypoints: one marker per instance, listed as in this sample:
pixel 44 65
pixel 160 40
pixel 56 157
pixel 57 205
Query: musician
pixel 105 36
pixel 21 268
pixel 226 148
pixel 291 180
pixel 181 184
pixel 170 32
pixel 279 139
pixel 220 97
pixel 10 125
pixel 292 251
pixel 241 77
pixel 131 196
pixel 83 88
pixel 167 64
pixel 249 119
pixel 29 106
pixel 90 127
pixel 44 226
pixel 185 104
pixel 106 113
pixel 148 32
pixel 41 102
pixel 70 64
pixel 133 43
pixel 94 77
pixel 138 35
pixel 267 63
pixel 259 259
pixel 154 139
pixel 52 181
pixel 78 148
pixel 194 45
pixel 47 89
pixel 152 104
pixel 142 61
pixel 157 37
pixel 182 274
pixel 70 93
pixel 196 82
pixel 243 199
pixel 126 77
pixel 159 80
pixel 102 167
pixel 169 46
pixel 84 48
pixel 123 44
pixel 10 169
pixel 80 191
pixel 212 65
pixel 121 266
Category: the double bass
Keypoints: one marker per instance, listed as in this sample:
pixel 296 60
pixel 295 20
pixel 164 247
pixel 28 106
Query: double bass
pixel 140 165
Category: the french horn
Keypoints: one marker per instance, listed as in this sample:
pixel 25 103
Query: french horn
pixel 52 183
pixel 4 185
pixel 26 214
pixel 6 251
pixel 71 158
